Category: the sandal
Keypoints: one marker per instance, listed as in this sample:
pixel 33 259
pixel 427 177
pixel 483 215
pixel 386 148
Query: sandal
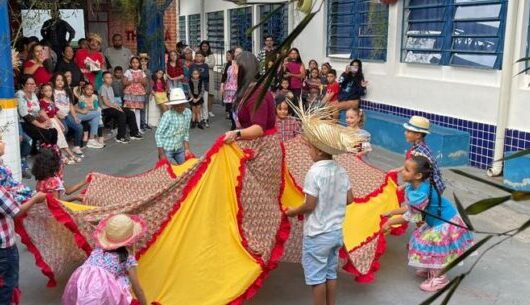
pixel 68 161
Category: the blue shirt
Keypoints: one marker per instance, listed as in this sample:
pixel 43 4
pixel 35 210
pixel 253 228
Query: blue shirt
pixel 435 205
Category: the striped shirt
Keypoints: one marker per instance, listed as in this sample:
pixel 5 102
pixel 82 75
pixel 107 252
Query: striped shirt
pixel 173 130
pixel 9 208
pixel 422 149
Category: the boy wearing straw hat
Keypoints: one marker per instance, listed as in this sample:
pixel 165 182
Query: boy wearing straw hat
pixel 173 133
pixel 327 192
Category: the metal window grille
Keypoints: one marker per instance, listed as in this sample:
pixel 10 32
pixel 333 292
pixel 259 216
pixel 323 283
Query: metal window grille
pixel 194 30
pixel 182 28
pixel 240 21
pixel 277 26
pixel 216 32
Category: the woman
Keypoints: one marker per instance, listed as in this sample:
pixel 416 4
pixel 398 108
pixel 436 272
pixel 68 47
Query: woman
pixel 91 61
pixel 34 122
pixel 66 63
pixel 229 87
pixel 35 66
pixel 174 72
pixel 186 69
pixel 251 122
pixel 209 57
pixel 294 70
pixel 352 88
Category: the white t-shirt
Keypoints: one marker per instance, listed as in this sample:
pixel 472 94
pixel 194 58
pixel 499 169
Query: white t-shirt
pixel 329 183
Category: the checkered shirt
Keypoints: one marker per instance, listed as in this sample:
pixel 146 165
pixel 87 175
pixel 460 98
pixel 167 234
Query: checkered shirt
pixel 287 128
pixel 9 208
pixel 173 130
pixel 422 149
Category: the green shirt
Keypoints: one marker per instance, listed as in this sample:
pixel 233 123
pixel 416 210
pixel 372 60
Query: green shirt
pixel 173 130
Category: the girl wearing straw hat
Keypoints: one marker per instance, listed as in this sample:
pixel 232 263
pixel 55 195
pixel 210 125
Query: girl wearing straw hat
pixel 109 273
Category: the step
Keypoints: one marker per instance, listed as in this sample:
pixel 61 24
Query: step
pixel 517 172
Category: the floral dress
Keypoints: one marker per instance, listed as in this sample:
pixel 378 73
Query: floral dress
pixel 50 185
pixel 19 191
pixel 134 94
pixel 436 243
pixel 230 87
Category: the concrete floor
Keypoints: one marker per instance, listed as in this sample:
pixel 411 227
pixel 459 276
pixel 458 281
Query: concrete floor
pixel 501 278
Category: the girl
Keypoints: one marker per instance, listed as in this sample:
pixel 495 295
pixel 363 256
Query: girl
pixel 196 98
pixel 314 98
pixel 352 87
pixel 355 119
pixel 174 72
pixel 88 110
pixel 229 87
pixel 324 70
pixel 436 243
pixel 160 90
pixel 313 64
pixel 313 81
pixel 134 83
pixel 209 59
pixel 48 172
pixel 287 126
pixel 284 90
pixel 294 71
pixel 49 111
pixel 108 276
pixel 186 68
pixel 202 67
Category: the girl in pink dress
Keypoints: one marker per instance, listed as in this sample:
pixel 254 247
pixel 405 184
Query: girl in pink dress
pixel 108 276
pixel 134 82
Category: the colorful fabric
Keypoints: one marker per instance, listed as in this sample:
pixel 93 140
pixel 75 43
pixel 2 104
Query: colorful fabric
pixel 422 149
pixel 288 128
pixel 9 208
pixel 50 185
pixel 134 94
pixel 62 103
pixel 160 97
pixel 173 130
pixel 48 107
pixel 19 192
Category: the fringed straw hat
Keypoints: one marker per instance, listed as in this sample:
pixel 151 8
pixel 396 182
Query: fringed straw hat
pixel 118 231
pixel 323 133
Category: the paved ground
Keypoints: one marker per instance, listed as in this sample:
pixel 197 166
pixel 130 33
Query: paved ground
pixel 501 278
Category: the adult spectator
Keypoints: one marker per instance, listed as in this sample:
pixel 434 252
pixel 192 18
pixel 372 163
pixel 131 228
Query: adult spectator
pixel 252 120
pixel 55 30
pixel 266 56
pixel 35 66
pixel 91 61
pixel 294 71
pixel 181 45
pixel 352 88
pixel 186 68
pixel 118 55
pixel 66 63
pixel 34 124
pixel 209 59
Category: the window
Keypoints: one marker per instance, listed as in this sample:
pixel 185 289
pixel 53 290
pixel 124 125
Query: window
pixel 240 21
pixel 277 25
pixel 194 30
pixel 357 29
pixel 455 32
pixel 182 28
pixel 216 30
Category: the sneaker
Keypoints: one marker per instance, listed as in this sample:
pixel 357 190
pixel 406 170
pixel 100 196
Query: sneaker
pixel 193 124
pixel 124 140
pixel 140 131
pixel 211 114
pixel 201 125
pixel 434 283
pixel 207 124
pixel 147 127
pixel 77 150
pixel 422 272
pixel 137 137
pixel 94 144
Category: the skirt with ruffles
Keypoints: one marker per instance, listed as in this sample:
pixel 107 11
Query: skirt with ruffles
pixel 436 247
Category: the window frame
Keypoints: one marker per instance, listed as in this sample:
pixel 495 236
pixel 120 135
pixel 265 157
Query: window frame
pixel 194 35
pixel 248 12
pixel 266 27
pixel 217 42
pixel 183 29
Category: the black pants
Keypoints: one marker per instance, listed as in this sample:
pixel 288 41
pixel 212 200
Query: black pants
pixel 123 119
pixel 228 109
pixel 48 136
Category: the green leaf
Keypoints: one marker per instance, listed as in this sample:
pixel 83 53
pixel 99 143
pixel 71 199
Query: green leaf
pixel 438 293
pixel 499 186
pixel 463 213
pixel 525 226
pixel 267 17
pixel 520 196
pixel 456 282
pixel 486 204
pixel 464 255
pixel 516 155
pixel 523 59
pixel 523 71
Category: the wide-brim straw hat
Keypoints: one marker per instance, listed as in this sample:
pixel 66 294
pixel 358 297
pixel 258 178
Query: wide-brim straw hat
pixel 176 97
pixel 323 133
pixel 119 231
pixel 418 124
pixel 95 37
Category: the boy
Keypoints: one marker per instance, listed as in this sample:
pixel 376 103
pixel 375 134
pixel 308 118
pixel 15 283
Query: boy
pixel 327 192
pixel 416 129
pixel 173 133
pixel 203 68
pixel 332 92
pixel 117 85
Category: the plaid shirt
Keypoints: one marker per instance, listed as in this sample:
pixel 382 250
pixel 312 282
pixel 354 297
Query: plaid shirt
pixel 9 208
pixel 287 128
pixel 422 149
pixel 173 130
pixel 264 58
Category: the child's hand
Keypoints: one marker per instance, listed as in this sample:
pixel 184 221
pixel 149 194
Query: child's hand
pixel 387 214
pixel 290 212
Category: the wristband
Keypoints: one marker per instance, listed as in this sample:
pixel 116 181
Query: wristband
pixel 238 134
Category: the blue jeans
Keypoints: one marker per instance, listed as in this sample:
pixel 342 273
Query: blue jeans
pixel 320 257
pixel 93 118
pixel 75 129
pixel 8 273
pixel 176 156
pixel 25 143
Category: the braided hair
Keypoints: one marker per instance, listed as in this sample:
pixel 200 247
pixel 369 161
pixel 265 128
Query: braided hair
pixel 425 168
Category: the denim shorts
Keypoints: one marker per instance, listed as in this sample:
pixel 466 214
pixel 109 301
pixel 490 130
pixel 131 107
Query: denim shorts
pixel 320 257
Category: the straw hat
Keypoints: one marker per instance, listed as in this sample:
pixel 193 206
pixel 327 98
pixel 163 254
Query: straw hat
pixel 418 124
pixel 95 36
pixel 144 55
pixel 118 231
pixel 176 97
pixel 323 133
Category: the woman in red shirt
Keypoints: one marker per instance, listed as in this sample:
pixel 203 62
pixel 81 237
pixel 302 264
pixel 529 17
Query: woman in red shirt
pixel 91 61
pixel 35 65
pixel 174 71
pixel 294 71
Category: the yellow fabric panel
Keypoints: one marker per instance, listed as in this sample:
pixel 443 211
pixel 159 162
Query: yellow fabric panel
pixel 198 258
pixel 368 214
pixel 291 197
pixel 181 169
pixel 8 103
pixel 76 207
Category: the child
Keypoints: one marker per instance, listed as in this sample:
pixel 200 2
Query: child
pixel 287 126
pixel 327 192
pixel 109 274
pixel 284 89
pixel 174 71
pixel 436 243
pixel 204 71
pixel 48 172
pixel 88 101
pixel 117 85
pixel 47 106
pixel 324 70
pixel 313 81
pixel 314 98
pixel 134 83
pixel 332 92
pixel 173 133
pixel 355 121
pixel 416 130
pixel 144 61
pixel 160 90
pixel 196 98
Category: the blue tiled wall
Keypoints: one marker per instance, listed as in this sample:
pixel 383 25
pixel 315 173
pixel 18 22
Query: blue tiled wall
pixel 482 135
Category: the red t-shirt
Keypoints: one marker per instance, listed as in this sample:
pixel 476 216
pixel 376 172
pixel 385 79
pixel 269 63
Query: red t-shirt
pixel 41 75
pixel 333 89
pixel 49 108
pixel 82 56
pixel 264 116
pixel 174 71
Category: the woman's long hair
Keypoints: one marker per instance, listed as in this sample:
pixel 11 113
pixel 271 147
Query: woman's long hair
pixel 359 76
pixel 248 72
pixel 299 59
pixel 207 53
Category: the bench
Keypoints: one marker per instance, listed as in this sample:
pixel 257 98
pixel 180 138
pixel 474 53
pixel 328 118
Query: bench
pixel 449 146
pixel 517 173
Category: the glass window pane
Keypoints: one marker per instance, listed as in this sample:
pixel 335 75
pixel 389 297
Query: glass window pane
pixel 474 60
pixel 477 28
pixel 424 2
pixel 476 44
pixel 425 28
pixel 215 26
pixel 435 14
pixel 424 43
pixel 182 28
pixel 423 57
pixel 478 11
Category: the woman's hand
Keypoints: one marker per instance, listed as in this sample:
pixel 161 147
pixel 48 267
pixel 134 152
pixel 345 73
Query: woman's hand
pixel 364 83
pixel 230 136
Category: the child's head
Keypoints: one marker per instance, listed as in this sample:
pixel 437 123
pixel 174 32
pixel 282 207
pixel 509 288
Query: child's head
pixel 158 75
pixel 195 74
pixel 416 129
pixel 282 108
pixel 414 137
pixel 144 59
pixel 88 90
pixel 355 117
pixel 107 78
pixel 82 43
pixel 117 232
pixel 118 72
pixel 313 65
pixel 199 58
pixel 417 169
pixel 58 81
pixel 47 164
pixel 229 55
pixel 325 68
pixel 134 63
pixel 46 91
pixel 331 76
pixel 318 154
pixel 68 77
pixel 284 84
pixel 314 73
pixel 173 56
